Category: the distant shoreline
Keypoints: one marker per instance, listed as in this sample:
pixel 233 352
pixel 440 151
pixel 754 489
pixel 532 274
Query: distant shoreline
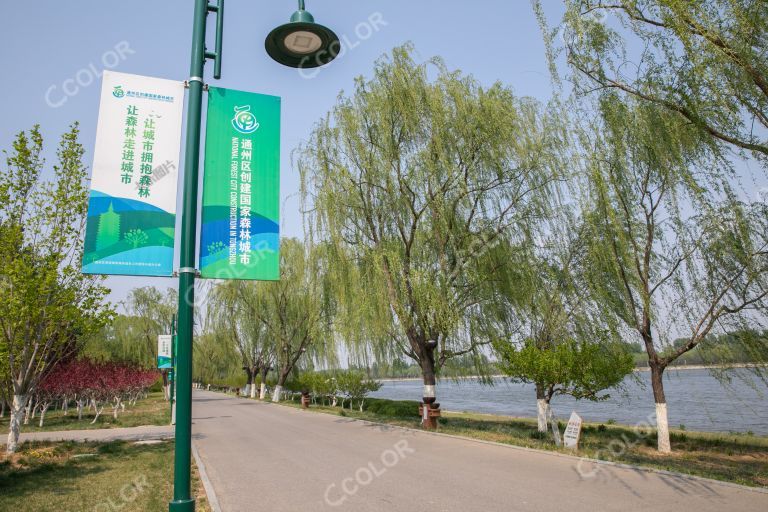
pixel 639 369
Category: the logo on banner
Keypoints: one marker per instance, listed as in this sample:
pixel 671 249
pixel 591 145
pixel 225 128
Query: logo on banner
pixel 118 91
pixel 244 120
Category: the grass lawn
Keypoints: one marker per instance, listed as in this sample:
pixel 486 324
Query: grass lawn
pixel 153 410
pixel 738 458
pixel 45 476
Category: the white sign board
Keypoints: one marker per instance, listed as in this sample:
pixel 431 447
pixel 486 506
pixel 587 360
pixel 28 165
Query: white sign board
pixel 572 431
pixel 164 354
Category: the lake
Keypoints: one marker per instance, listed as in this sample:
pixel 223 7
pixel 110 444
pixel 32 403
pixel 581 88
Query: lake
pixel 695 399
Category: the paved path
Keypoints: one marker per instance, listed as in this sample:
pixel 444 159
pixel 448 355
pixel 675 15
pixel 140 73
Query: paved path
pixel 108 434
pixel 261 456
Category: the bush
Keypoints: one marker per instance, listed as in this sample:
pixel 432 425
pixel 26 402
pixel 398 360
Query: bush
pixel 157 386
pixel 393 408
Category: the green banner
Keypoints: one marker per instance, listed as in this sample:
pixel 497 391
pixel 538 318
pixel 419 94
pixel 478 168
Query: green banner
pixel 240 236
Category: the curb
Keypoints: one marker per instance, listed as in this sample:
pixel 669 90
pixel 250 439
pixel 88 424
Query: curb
pixel 210 493
pixel 83 436
pixel 645 469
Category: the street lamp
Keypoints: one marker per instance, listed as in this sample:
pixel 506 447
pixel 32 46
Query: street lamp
pixel 300 43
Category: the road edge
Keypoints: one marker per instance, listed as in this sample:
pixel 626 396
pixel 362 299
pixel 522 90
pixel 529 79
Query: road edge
pixel 213 500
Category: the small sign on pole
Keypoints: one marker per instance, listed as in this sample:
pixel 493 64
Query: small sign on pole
pixel 573 431
pixel 164 355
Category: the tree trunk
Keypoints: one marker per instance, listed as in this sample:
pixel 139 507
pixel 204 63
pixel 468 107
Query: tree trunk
pixel 542 407
pixel 429 397
pixel 166 386
pixel 662 421
pixel 65 406
pixel 42 413
pixel 79 409
pixel 249 381
pixel 263 390
pixel 280 382
pixel 2 408
pixel 98 411
pixel 14 429
pixel 28 410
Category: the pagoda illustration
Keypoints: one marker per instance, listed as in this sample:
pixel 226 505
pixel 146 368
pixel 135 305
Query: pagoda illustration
pixel 109 229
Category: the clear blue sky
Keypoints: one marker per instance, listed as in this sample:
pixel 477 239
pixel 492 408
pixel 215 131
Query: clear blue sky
pixel 49 42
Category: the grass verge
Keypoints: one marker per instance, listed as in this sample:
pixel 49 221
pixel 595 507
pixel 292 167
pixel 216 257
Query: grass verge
pixel 153 410
pixel 736 458
pixel 99 477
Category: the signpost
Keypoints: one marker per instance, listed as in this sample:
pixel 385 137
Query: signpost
pixel 573 431
pixel 131 217
pixel 132 206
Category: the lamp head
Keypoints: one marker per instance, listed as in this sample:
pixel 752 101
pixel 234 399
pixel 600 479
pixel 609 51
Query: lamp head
pixel 302 43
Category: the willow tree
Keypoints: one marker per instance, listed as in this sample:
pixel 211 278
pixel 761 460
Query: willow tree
pixel 672 251
pixel 409 180
pixel 236 318
pixel 705 61
pixel 549 329
pixel 47 307
pixel 295 311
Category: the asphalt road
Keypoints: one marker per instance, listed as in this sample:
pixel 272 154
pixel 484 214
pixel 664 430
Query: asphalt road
pixel 265 457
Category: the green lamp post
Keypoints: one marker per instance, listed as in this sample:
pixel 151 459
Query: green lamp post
pixel 301 43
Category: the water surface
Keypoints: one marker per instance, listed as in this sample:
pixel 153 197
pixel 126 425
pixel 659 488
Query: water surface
pixel 695 398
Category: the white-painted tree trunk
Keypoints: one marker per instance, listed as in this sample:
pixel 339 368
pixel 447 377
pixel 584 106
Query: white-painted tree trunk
pixel 263 391
pixel 79 409
pixel 98 411
pixel 247 390
pixel 65 406
pixel 43 410
pixel 2 408
pixel 662 428
pixel 116 407
pixel 167 392
pixel 276 394
pixel 17 410
pixel 28 411
pixel 542 407
pixel 253 391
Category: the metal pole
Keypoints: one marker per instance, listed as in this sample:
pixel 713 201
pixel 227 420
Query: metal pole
pixel 172 371
pixel 182 499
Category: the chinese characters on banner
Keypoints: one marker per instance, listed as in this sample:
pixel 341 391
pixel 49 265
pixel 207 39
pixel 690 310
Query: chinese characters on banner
pixel 241 187
pixel 164 351
pixel 132 206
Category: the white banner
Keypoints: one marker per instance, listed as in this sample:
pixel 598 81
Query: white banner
pixel 164 351
pixel 132 209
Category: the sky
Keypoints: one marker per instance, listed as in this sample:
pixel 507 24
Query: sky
pixel 50 44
